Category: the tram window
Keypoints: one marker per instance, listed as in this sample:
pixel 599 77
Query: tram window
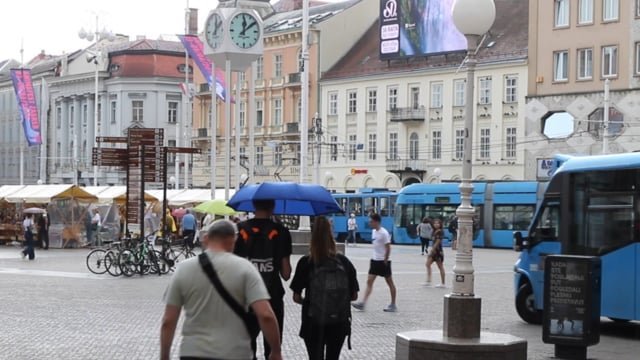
pixel 385 207
pixel 370 205
pixel 408 215
pixel 355 205
pixel 343 203
pixel 512 217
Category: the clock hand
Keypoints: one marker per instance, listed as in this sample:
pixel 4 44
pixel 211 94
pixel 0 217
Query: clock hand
pixel 244 25
pixel 217 26
pixel 251 25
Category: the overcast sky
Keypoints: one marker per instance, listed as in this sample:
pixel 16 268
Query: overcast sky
pixel 53 25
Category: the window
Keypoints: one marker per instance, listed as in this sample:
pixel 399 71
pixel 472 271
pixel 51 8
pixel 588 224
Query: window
pixel 299 110
pixel 485 143
pixel 243 155
pixel 511 143
pixel 372 100
pixel 372 148
pixel 436 145
pixel 171 157
pixel 596 122
pixel 259 112
pixel 172 112
pixel 59 149
pixel 333 155
pixel 609 61
pixel 242 77
pixel 59 116
pixel 560 65
pixel 415 97
pixel 277 65
pixel 333 103
pixel 72 118
pixel 260 68
pixel 585 64
pixel 510 89
pixel 561 13
pixel 512 217
pixel 436 95
pixel 585 12
pixel 137 111
pixel 392 98
pixel 637 62
pixel 459 144
pixel 393 146
pixel 610 10
pixel 259 155
pixel 99 114
pixel 352 147
pixel 485 90
pixel 300 61
pixel 637 8
pixel 458 92
pixel 277 155
pixel 85 114
pixel 277 112
pixel 243 113
pixel 352 101
pixel 414 147
pixel 113 112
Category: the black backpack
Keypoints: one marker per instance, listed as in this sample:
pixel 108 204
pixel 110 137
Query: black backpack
pixel 259 250
pixel 329 293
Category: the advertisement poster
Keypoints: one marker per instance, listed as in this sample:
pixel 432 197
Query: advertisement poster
pixel 411 28
pixel 27 105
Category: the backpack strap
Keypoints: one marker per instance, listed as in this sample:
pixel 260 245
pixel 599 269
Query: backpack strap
pixel 208 269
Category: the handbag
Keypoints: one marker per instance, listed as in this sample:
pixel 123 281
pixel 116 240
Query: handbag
pixel 249 319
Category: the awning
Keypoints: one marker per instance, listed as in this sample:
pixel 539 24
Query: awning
pixel 190 197
pixel 122 198
pixel 6 190
pixel 42 194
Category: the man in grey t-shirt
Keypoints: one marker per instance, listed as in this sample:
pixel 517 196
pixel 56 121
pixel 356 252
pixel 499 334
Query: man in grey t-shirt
pixel 211 329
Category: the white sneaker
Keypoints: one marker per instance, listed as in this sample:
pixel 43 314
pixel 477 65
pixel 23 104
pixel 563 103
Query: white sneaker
pixel 390 308
pixel 428 284
pixel 441 286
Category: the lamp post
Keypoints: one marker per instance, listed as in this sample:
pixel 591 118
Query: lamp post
pixel 98 35
pixel 437 172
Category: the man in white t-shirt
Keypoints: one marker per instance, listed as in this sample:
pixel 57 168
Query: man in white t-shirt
pixel 380 264
pixel 352 228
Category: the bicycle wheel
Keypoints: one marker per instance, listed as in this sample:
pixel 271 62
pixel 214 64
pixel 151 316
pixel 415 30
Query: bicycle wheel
pixel 95 261
pixel 162 264
pixel 112 262
pixel 128 263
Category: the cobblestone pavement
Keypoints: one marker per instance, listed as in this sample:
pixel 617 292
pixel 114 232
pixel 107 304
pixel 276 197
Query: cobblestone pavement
pixel 53 308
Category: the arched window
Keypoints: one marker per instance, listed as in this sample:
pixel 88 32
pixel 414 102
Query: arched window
pixel 413 146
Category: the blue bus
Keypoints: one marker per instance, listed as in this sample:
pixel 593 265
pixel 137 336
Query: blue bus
pixel 501 208
pixel 591 207
pixel 361 204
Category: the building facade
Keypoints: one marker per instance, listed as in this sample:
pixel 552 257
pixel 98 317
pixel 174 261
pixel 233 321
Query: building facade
pixel 392 123
pixel 574 47
pixel 276 111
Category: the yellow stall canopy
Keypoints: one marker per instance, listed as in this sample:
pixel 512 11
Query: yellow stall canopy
pixel 44 194
pixel 122 198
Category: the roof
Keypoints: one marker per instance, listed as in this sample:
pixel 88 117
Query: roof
pixel 293 19
pixel 599 162
pixel 444 188
pixel 290 5
pixel 145 46
pixel 42 194
pixel 507 40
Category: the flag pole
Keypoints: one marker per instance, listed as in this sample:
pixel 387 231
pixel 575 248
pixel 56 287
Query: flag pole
pixel 20 137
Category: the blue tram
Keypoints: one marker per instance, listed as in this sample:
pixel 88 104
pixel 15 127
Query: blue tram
pixel 361 204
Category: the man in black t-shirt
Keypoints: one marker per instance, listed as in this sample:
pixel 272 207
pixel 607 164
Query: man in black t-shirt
pixel 267 245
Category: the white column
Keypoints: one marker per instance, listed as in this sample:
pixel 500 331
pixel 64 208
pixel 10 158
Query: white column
pixel 214 130
pixel 251 117
pixel 238 129
pixel 227 131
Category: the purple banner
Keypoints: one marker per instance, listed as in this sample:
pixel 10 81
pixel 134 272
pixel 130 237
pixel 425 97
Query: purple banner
pixel 27 104
pixel 195 48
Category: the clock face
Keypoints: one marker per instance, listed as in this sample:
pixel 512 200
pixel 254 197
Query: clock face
pixel 214 31
pixel 244 30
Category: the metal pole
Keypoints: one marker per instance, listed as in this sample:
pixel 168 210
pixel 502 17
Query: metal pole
pixel 251 111
pixel 318 127
pixel 605 122
pixel 186 124
pixel 304 123
pixel 227 131
pixel 214 129
pixel 463 268
pixel 96 125
pixel 20 138
pixel 237 120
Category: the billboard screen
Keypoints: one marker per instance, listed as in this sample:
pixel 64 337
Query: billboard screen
pixel 411 28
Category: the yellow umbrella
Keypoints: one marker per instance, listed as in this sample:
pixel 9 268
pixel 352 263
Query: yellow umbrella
pixel 215 207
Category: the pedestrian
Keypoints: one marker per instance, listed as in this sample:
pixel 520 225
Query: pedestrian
pixel 43 231
pixel 27 226
pixel 425 230
pixel 88 227
pixel 267 244
pixel 96 223
pixel 380 264
pixel 453 229
pixel 210 330
pixel 189 227
pixel 352 229
pixel 436 254
pixel 329 282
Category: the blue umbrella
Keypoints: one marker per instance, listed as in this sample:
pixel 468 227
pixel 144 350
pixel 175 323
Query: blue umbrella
pixel 290 198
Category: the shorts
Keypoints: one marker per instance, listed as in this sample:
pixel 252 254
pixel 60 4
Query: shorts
pixel 379 268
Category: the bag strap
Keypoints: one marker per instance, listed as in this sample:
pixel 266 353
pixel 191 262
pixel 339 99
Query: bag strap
pixel 208 269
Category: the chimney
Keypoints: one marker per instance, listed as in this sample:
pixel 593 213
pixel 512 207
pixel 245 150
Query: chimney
pixel 193 21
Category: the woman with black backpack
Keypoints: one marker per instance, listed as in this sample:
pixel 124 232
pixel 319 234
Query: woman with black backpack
pixel 329 282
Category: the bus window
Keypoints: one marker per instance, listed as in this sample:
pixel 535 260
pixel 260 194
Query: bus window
pixel 371 205
pixel 512 217
pixel 546 228
pixel 355 205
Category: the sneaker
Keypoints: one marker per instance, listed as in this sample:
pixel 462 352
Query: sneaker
pixel 427 284
pixel 358 305
pixel 390 308
pixel 441 286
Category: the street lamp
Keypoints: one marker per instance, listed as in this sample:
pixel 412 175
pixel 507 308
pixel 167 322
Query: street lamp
pixel 94 56
pixel 437 172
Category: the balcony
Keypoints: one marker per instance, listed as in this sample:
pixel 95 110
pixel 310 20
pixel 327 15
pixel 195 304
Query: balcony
pixel 294 79
pixel 404 165
pixel 292 128
pixel 408 114
pixel 201 133
pixel 204 89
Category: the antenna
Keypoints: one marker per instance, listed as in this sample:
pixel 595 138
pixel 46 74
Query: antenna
pixel 21 52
